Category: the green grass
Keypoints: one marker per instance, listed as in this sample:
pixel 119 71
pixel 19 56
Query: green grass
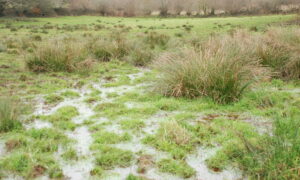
pixel 32 148
pixel 9 115
pixel 62 117
pixel 101 138
pixel 176 167
pixel 203 26
pixel 172 138
pixel 53 99
pixel 110 157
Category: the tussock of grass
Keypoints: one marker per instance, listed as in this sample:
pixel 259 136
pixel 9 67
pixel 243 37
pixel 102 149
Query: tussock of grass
pixel 140 54
pixel 222 69
pixel 279 49
pixel 9 115
pixel 157 39
pixel 54 56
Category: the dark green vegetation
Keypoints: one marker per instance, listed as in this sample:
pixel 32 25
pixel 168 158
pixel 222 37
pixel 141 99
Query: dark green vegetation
pixel 156 86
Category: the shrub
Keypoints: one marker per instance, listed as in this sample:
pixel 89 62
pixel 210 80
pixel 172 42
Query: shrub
pixel 56 56
pixel 280 50
pixel 222 69
pixel 9 115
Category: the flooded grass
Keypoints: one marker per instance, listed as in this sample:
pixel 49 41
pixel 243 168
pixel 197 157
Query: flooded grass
pixel 109 122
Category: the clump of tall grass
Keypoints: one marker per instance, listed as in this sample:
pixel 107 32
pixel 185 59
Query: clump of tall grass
pixel 157 39
pixel 222 68
pixel 9 115
pixel 110 48
pixel 140 54
pixel 55 56
pixel 280 50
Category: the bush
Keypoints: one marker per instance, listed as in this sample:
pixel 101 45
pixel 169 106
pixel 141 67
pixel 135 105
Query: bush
pixel 9 115
pixel 56 56
pixel 221 69
pixel 280 50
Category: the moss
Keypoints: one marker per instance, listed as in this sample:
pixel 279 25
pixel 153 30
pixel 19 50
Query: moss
pixel 179 168
pixel 109 157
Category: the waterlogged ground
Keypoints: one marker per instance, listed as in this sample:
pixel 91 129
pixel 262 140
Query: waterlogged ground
pixel 121 131
pixel 114 124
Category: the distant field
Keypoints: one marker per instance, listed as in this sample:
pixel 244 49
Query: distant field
pixel 201 26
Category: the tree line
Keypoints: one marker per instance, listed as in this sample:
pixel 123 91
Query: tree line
pixel 145 7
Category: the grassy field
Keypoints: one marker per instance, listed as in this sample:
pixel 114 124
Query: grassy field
pixel 201 26
pixel 93 97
